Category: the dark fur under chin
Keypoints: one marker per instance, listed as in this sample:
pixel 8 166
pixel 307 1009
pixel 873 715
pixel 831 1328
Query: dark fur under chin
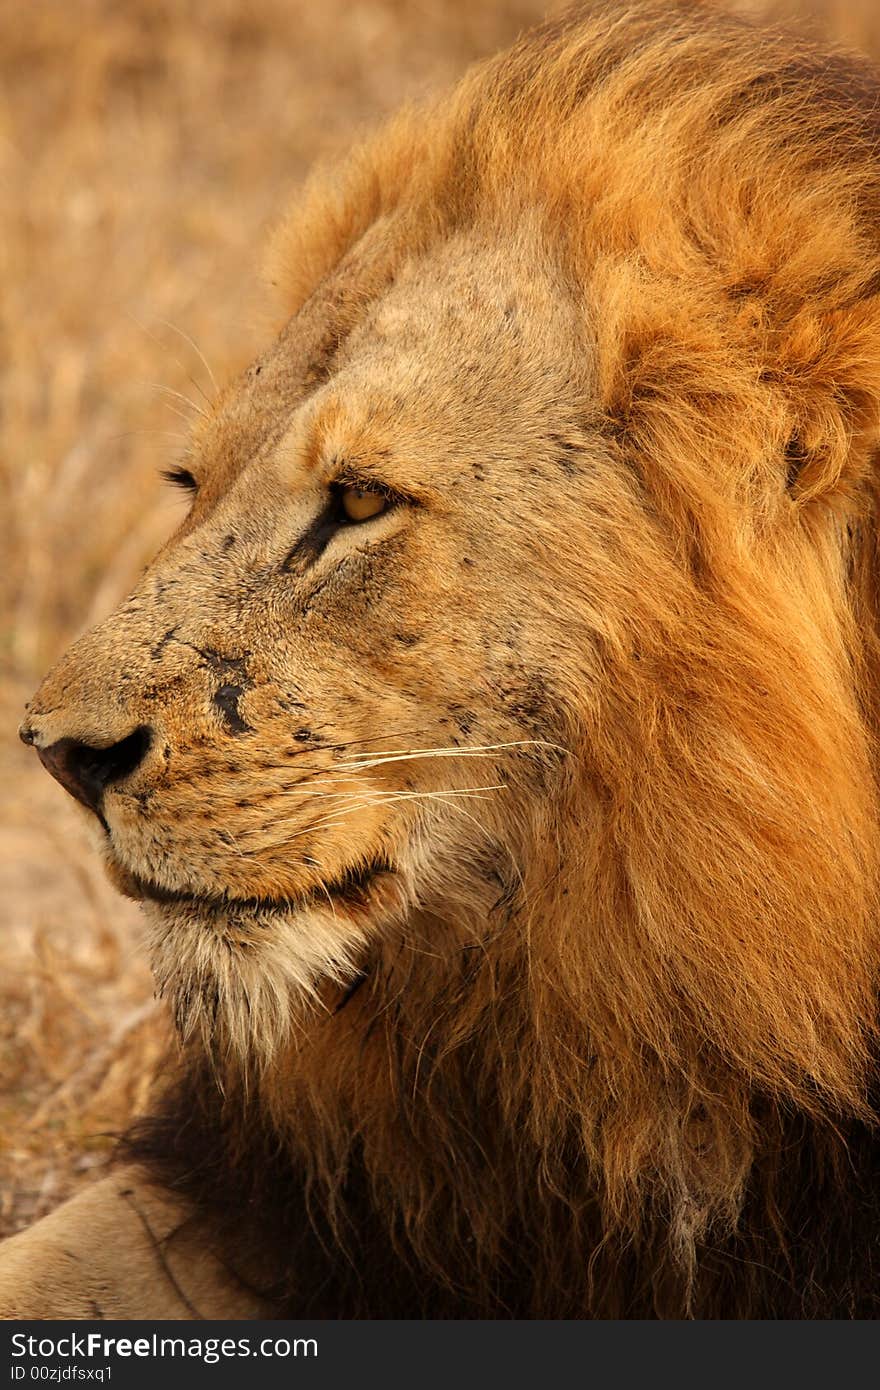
pixel 807 1244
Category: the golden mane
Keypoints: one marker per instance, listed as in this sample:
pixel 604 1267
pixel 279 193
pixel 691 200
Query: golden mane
pixel 636 1095
pixel 704 955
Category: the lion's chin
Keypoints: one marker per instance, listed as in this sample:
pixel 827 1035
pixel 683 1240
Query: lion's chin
pixel 239 973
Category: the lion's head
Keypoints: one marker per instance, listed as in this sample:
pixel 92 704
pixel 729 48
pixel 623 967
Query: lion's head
pixel 510 688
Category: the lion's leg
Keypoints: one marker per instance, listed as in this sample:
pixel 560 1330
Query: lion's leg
pixel 121 1249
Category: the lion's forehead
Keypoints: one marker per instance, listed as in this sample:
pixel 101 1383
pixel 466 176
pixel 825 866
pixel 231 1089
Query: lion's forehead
pixel 465 329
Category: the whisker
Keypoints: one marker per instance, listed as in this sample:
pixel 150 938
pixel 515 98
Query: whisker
pixel 492 840
pixel 361 762
pixel 164 346
pixel 181 415
pixel 197 350
pixel 136 434
pixel 178 395
pixel 466 751
pixel 368 802
pixel 307 790
pixel 200 388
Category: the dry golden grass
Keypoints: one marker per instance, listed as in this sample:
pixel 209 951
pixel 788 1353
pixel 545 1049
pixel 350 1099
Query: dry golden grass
pixel 145 145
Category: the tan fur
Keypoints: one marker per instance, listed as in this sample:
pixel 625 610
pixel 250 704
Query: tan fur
pixel 121 1249
pixel 601 693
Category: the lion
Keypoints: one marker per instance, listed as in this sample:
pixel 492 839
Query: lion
pixel 494 746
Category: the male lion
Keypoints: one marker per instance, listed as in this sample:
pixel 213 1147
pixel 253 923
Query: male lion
pixel 493 748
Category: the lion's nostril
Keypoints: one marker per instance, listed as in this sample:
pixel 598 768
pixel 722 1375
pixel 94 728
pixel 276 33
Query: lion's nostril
pixel 86 771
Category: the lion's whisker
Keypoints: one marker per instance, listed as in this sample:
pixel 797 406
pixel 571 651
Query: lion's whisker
pixel 390 794
pixel 197 350
pixel 368 802
pixel 179 396
pixel 479 750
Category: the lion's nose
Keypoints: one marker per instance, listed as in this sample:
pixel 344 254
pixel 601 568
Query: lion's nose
pixel 86 771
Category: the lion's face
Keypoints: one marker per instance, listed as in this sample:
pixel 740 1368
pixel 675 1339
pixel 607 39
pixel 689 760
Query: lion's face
pixel 333 695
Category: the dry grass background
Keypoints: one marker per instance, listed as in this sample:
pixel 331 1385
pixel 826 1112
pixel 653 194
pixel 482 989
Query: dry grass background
pixel 145 147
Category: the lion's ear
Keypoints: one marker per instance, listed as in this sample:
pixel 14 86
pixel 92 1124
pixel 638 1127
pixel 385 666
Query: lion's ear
pixel 825 372
pixel 771 381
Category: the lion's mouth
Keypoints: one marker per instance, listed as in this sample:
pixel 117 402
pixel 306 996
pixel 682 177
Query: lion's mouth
pixel 352 889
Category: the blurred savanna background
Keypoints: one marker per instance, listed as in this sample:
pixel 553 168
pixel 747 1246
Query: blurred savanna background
pixel 146 147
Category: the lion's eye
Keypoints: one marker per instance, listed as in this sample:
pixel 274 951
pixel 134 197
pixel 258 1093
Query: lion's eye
pixel 360 504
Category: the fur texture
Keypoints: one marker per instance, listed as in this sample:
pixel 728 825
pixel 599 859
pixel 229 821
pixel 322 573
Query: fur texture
pixel 511 857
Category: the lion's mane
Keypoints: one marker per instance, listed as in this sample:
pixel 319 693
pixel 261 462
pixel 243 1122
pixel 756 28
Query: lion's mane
pixel 650 1094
